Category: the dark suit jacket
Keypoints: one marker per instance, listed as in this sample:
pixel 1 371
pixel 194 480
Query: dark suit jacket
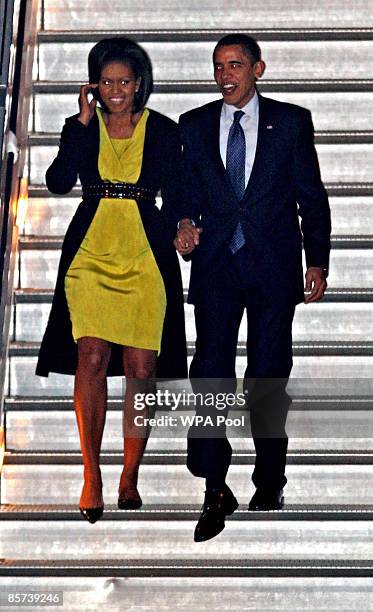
pixel 285 182
pixel 160 170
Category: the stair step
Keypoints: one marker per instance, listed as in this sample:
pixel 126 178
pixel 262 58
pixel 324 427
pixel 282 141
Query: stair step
pixel 52 243
pixel 209 86
pixel 316 433
pixel 342 163
pixel 44 243
pixel 237 568
pixel 44 296
pixel 21 379
pixel 330 110
pixel 15 404
pixel 309 373
pixel 336 137
pixel 168 457
pixel 164 512
pixel 348 267
pixel 325 322
pixel 40 296
pixel 51 215
pixel 332 402
pixel 60 61
pixel 334 189
pixel 205 594
pixel 358 349
pixel 123 14
pixel 197 34
pixel 307 484
pixel 171 541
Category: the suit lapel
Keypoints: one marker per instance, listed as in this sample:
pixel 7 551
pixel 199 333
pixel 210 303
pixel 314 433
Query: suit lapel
pixel 211 133
pixel 263 147
pixel 212 136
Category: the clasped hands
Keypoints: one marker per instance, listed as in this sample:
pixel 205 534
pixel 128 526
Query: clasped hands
pixel 187 237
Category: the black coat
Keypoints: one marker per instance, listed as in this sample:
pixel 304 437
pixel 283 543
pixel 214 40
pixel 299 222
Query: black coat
pixel 78 157
pixel 284 183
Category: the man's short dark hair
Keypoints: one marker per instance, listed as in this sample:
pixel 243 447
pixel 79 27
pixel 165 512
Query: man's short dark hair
pixel 248 43
pixel 126 51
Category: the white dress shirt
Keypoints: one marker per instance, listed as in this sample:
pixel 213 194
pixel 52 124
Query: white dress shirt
pixel 249 123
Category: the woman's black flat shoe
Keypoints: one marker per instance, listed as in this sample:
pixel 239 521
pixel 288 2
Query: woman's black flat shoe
pixel 129 503
pixel 92 514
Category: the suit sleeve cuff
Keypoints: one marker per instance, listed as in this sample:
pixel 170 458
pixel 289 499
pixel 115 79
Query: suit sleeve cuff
pixel 190 221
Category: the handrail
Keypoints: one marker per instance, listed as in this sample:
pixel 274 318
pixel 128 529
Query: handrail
pixel 15 141
pixel 6 31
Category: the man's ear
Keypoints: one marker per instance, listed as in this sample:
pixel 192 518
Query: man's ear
pixel 258 69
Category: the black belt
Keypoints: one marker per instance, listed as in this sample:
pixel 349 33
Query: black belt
pixel 128 191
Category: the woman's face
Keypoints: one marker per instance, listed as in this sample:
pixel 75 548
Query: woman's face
pixel 117 87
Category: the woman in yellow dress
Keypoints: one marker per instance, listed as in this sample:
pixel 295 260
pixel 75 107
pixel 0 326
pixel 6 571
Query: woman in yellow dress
pixel 118 303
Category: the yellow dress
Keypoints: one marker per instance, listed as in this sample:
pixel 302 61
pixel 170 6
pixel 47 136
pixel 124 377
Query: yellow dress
pixel 113 287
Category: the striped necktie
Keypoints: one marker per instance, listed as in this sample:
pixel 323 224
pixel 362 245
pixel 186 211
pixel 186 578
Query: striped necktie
pixel 235 164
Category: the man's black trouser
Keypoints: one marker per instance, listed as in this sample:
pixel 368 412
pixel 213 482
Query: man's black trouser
pixel 234 286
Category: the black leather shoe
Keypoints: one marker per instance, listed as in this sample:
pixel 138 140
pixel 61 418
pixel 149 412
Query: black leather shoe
pixel 216 507
pixel 92 514
pixel 129 502
pixel 267 499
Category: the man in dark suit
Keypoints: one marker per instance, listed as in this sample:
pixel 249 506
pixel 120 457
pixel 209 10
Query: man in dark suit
pixel 251 170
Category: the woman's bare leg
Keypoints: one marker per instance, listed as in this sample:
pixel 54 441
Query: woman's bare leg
pixel 90 397
pixel 139 366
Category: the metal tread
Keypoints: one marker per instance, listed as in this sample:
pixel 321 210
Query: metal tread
pixel 340 348
pixel 311 402
pixel 180 512
pixel 44 296
pixel 52 243
pixel 167 457
pixel 204 86
pixel 188 568
pixel 333 189
pixel 196 35
pixel 321 137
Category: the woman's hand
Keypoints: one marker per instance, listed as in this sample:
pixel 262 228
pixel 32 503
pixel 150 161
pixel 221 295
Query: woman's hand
pixel 87 109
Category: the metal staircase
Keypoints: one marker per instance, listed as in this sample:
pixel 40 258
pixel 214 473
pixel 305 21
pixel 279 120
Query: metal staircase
pixel 317 554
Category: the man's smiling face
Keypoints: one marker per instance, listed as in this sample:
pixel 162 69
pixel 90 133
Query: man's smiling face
pixel 235 74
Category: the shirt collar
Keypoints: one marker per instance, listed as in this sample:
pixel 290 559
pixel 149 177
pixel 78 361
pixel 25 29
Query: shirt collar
pixel 251 109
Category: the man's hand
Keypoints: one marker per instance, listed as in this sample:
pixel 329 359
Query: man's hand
pixel 315 284
pixel 187 237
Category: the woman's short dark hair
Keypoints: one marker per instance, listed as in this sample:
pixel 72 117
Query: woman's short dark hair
pixel 248 43
pixel 126 51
